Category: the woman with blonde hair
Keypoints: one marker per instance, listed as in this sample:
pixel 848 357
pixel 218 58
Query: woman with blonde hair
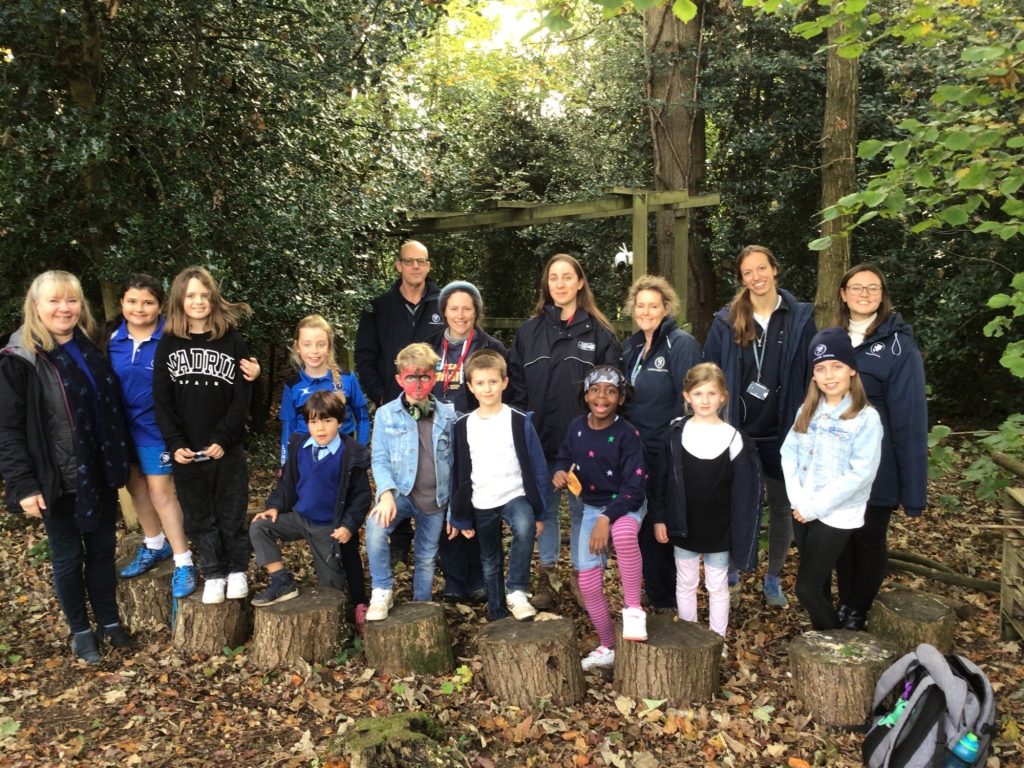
pixel 64 451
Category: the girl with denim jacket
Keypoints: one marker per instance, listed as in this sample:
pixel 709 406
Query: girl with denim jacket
pixel 829 460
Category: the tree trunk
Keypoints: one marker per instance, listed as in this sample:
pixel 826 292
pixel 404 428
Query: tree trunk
pixel 201 628
pixel 413 640
pixel 679 662
pixel 673 54
pixel 834 673
pixel 838 172
pixel 145 601
pixel 310 627
pixel 909 617
pixel 544 655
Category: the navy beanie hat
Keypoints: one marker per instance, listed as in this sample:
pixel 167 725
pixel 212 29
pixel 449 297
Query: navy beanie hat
pixel 832 344
pixel 466 287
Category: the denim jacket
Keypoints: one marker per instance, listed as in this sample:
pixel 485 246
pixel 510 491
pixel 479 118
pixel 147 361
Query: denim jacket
pixel 395 449
pixel 829 469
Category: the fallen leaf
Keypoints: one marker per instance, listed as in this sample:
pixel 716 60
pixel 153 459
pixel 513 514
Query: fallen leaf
pixel 625 705
pixel 796 762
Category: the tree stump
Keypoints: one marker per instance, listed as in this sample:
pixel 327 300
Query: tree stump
pixel 412 640
pixel 835 671
pixel 201 628
pixel 909 617
pixel 127 545
pixel 395 741
pixel 145 601
pixel 679 662
pixel 524 662
pixel 311 627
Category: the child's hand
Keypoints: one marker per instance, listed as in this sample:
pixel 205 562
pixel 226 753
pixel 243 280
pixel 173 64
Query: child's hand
pixel 798 517
pixel 342 535
pixel 560 479
pixel 250 368
pixel 184 455
pixel 385 510
pixel 661 533
pixel 266 514
pixel 599 536
pixel 539 525
pixel 214 451
pixel 451 530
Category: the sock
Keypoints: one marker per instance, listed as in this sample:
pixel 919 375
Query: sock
pixel 627 554
pixel 185 558
pixel 111 626
pixel 155 542
pixel 284 576
pixel 591 584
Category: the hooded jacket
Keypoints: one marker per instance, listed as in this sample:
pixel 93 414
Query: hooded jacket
pixel 667 499
pixel 547 364
pixel 384 330
pixel 892 372
pixel 798 330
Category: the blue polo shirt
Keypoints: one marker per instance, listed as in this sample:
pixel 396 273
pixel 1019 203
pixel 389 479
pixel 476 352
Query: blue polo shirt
pixel 134 368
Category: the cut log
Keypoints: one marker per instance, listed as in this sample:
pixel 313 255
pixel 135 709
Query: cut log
pixel 909 617
pixel 145 601
pixel 413 640
pixel 395 741
pixel 201 628
pixel 526 662
pixel 679 662
pixel 127 546
pixel 310 627
pixel 835 671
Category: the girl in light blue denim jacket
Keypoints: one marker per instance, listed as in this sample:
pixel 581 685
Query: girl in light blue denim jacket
pixel 829 460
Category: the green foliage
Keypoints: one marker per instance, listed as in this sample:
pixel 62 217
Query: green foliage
pixel 941 457
pixel 463 676
pixel 39 552
pixel 1001 325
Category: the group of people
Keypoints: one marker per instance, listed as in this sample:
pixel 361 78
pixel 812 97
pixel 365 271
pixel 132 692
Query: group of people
pixel 663 449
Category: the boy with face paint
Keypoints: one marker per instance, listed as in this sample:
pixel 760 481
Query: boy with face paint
pixel 411 460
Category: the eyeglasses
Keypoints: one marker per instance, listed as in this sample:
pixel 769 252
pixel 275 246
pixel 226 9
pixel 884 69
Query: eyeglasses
pixel 419 378
pixel 859 290
pixel 414 262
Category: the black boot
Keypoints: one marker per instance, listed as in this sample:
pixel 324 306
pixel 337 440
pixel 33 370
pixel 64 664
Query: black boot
pixel 855 620
pixel 117 636
pixel 842 614
pixel 83 645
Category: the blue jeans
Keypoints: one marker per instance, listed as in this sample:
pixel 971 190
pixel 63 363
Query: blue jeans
pixel 550 540
pixel 83 564
pixel 519 515
pixel 585 559
pixel 424 548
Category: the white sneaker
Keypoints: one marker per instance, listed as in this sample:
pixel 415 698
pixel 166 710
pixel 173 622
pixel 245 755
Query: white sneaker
pixel 238 586
pixel 599 657
pixel 634 624
pixel 380 603
pixel 519 605
pixel 213 591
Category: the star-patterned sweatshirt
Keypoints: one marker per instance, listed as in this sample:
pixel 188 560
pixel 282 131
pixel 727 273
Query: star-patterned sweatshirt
pixel 609 463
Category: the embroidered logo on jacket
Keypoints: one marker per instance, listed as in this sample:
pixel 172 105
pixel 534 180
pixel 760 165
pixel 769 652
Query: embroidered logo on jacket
pixel 587 346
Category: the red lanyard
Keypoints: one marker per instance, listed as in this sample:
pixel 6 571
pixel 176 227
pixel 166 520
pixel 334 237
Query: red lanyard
pixel 448 375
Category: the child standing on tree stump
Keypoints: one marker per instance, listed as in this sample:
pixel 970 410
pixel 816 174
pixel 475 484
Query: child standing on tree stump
pixel 499 473
pixel 411 459
pixel 602 462
pixel 706 499
pixel 829 459
pixel 323 497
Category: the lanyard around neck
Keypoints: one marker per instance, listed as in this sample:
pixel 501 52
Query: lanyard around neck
pixel 448 375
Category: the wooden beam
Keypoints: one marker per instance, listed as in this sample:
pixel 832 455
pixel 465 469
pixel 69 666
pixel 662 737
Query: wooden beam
pixel 681 262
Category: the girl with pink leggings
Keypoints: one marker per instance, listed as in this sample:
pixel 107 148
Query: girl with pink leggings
pixel 602 462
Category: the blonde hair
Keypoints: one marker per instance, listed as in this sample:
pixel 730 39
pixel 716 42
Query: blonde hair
pixel 485 360
pixel 418 356
pixel 859 401
pixel 65 285
pixel 656 283
pixel 317 323
pixel 224 315
pixel 584 298
pixel 741 310
pixel 704 373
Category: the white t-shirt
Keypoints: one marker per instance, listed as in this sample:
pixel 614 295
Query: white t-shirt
pixel 496 476
pixel 707 441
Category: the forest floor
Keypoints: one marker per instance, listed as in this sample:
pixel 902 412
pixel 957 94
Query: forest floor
pixel 157 707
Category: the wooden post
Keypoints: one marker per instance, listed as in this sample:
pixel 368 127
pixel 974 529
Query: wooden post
pixel 681 258
pixel 639 235
pixel 128 513
pixel 311 627
pixel 679 662
pixel 909 617
pixel 202 628
pixel 835 671
pixel 413 640
pixel 525 662
pixel 1011 580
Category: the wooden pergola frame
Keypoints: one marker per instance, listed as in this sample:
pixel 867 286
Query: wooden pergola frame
pixel 619 201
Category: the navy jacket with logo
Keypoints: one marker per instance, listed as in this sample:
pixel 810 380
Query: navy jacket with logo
pixel 547 364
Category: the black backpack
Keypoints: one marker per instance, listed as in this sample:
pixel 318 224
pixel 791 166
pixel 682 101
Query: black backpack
pixel 924 703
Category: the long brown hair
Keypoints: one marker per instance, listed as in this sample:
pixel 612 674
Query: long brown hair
pixel 585 297
pixel 65 285
pixel 741 310
pixel 859 401
pixel 885 308
pixel 224 315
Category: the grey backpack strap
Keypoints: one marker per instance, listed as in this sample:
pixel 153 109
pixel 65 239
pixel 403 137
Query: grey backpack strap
pixel 953 686
pixel 893 676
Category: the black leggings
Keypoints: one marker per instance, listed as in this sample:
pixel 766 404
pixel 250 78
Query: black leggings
pixel 864 561
pixel 820 546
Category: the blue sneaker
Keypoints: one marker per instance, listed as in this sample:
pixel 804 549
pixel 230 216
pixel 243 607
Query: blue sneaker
pixel 183 581
pixel 146 559
pixel 773 595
